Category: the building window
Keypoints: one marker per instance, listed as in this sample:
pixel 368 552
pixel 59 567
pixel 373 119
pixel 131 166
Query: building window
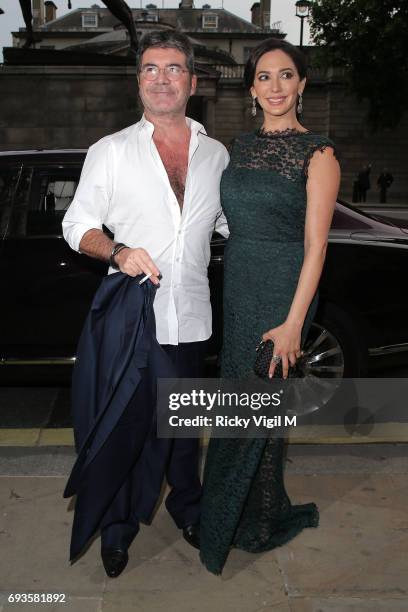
pixel 148 16
pixel 152 17
pixel 89 20
pixel 210 22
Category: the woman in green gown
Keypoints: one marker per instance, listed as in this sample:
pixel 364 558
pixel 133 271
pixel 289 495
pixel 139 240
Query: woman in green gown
pixel 278 195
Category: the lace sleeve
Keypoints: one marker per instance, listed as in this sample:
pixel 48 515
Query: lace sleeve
pixel 317 146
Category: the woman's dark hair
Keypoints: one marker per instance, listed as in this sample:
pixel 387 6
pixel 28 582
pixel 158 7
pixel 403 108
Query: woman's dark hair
pixel 167 39
pixel 273 44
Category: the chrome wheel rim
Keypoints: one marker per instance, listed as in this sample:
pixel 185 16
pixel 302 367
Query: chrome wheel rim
pixel 322 369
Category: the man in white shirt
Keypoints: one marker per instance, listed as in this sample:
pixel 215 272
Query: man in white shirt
pixel 155 186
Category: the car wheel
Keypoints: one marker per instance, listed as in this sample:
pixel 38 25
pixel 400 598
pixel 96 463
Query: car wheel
pixel 332 351
pixel 323 354
pixel 344 352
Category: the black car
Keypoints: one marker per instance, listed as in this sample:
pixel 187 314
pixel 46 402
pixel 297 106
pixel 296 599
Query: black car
pixel 47 288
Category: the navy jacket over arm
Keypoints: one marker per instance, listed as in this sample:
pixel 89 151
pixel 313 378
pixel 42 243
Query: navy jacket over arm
pixel 118 340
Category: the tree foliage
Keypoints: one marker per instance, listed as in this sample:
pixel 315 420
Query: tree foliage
pixel 369 38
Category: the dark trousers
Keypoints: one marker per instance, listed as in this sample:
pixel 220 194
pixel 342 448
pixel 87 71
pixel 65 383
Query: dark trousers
pixel 120 523
pixel 363 195
pixel 383 195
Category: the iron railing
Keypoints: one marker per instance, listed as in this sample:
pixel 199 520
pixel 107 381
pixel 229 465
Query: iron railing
pixel 236 71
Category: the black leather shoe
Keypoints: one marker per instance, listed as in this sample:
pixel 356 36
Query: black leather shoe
pixel 191 534
pixel 114 561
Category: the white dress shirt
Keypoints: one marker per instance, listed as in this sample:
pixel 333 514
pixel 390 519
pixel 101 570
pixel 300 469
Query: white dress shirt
pixel 124 185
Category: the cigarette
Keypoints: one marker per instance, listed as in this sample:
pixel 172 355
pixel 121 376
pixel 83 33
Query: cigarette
pixel 145 278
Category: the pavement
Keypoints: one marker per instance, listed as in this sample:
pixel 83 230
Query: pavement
pixel 39 417
pixel 357 559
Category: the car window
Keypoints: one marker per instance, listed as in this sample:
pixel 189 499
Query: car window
pixel 8 184
pixel 14 199
pixel 51 194
pixel 8 181
pixel 33 201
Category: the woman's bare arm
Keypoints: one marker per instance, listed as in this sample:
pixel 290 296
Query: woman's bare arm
pixel 322 188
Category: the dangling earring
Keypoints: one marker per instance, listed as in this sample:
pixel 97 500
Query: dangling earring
pixel 253 109
pixel 300 105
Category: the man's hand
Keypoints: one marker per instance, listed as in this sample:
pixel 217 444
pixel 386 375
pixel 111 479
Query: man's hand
pixel 130 261
pixel 137 261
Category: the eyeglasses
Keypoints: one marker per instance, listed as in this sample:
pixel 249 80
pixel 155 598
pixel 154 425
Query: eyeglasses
pixel 151 72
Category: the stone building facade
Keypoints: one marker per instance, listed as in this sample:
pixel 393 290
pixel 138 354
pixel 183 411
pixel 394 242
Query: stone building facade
pixel 68 99
pixel 95 29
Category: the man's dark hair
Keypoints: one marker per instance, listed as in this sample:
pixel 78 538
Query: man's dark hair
pixel 166 39
pixel 273 44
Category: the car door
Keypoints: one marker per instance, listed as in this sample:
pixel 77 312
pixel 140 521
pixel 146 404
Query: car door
pixel 49 286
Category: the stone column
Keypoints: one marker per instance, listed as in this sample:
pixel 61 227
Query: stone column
pixel 210 116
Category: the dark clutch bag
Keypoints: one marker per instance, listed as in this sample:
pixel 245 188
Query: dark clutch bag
pixel 264 354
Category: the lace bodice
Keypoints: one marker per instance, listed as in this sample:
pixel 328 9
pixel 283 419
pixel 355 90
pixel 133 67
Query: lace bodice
pixel 286 152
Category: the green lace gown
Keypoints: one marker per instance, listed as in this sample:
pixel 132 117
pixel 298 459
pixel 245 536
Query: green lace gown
pixel 263 192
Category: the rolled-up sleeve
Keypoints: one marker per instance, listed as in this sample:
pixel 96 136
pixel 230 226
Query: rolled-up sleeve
pixel 221 225
pixel 90 206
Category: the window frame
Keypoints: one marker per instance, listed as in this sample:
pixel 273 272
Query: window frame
pixel 87 15
pixel 213 16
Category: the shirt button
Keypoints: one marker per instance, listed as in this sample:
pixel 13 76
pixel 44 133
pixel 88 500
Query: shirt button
pixel 178 259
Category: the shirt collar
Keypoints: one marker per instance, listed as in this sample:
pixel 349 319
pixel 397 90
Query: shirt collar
pixel 194 126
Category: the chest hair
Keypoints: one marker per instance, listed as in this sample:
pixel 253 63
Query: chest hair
pixel 175 162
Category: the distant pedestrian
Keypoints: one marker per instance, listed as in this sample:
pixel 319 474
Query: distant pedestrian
pixel 356 191
pixel 364 182
pixel 384 182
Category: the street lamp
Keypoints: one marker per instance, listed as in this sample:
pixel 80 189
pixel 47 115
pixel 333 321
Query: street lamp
pixel 302 11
